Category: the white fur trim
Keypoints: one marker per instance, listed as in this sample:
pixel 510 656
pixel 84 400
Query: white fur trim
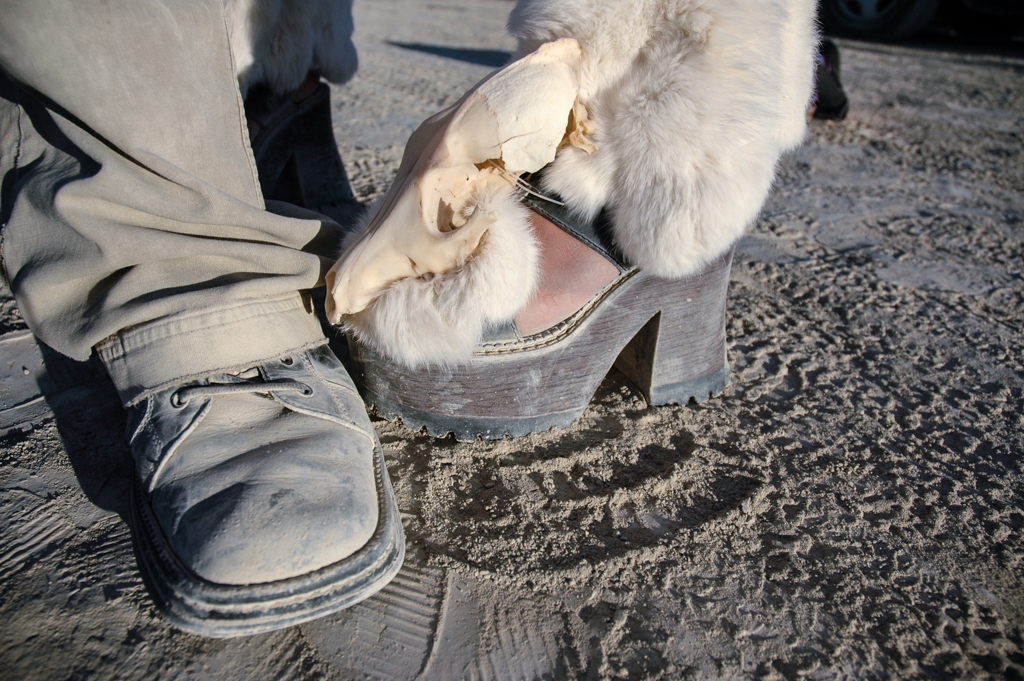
pixel 439 320
pixel 277 42
pixel 693 102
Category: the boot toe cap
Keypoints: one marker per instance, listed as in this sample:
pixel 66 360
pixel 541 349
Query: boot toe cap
pixel 297 510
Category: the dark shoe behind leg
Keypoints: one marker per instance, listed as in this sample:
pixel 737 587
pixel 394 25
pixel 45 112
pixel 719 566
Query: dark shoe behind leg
pixel 296 154
pixel 831 101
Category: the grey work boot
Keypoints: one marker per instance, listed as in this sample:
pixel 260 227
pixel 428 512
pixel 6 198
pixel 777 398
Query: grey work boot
pixel 261 499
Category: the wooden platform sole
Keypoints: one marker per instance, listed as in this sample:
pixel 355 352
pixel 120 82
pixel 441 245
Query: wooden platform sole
pixel 666 336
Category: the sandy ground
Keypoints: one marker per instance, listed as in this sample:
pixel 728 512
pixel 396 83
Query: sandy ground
pixel 851 507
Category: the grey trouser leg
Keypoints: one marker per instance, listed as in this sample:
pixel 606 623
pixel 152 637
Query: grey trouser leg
pixel 132 215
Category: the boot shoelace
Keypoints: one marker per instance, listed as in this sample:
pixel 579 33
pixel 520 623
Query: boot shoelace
pixel 181 397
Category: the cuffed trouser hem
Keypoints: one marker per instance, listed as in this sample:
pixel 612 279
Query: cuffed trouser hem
pixel 148 358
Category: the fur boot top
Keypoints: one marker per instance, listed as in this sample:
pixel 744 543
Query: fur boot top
pixel 692 102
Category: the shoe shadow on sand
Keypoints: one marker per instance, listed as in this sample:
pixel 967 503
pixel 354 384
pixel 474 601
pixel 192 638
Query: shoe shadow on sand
pixel 91 422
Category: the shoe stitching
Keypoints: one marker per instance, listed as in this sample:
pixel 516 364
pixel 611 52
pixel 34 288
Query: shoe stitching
pixel 147 428
pixel 165 456
pixel 559 331
pixel 154 433
pixel 143 421
pixel 311 367
pixel 340 386
pixel 337 419
pixel 329 381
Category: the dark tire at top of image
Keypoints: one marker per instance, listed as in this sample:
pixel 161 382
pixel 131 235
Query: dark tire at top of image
pixel 984 19
pixel 879 19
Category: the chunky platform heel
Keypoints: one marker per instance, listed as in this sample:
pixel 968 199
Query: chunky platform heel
pixel 679 354
pixel 666 336
pixel 296 155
